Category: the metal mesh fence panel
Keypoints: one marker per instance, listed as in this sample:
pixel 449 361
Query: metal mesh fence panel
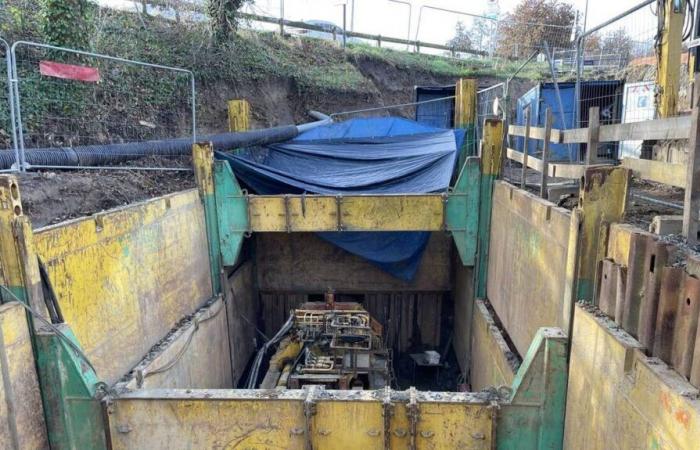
pixel 617 66
pixel 7 127
pixel 68 99
pixel 487 105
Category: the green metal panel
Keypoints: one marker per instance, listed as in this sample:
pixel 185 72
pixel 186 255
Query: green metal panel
pixel 232 212
pixel 462 210
pixel 71 394
pixel 534 416
pixel 484 233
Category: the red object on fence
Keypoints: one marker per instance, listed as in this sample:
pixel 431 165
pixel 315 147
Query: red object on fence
pixel 69 71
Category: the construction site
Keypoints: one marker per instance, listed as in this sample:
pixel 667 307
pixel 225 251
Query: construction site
pixel 262 225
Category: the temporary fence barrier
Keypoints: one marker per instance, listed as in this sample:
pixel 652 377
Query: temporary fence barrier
pixel 66 98
pixel 8 130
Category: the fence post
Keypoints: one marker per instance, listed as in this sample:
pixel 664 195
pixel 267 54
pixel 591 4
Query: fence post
pixel 545 153
pixel 491 163
pixel 465 111
pixel 238 115
pixel 691 205
pixel 526 144
pixel 593 130
pixel 668 72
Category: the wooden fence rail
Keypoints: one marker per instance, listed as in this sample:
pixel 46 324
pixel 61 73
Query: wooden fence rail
pixel 686 176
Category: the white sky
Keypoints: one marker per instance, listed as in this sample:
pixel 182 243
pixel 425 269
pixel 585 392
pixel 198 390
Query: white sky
pixel 391 19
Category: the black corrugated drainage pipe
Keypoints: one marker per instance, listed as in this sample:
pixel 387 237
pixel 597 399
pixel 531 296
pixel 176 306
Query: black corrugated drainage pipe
pixel 106 154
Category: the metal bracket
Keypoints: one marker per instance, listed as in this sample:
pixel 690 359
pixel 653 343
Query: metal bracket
pixel 388 414
pixel 309 412
pixel 413 413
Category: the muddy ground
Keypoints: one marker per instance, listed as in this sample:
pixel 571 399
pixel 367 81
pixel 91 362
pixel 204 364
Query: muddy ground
pixel 50 197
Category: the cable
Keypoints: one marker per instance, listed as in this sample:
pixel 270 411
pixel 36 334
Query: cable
pixel 53 328
pixel 195 327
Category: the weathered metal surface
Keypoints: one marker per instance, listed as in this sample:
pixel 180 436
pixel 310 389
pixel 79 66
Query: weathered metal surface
pixel 619 398
pixel 461 211
pixel 603 200
pixel 299 419
pixel 657 171
pixel 123 278
pixel 637 271
pixel 530 417
pixel 300 213
pixel 534 417
pixel 493 363
pixel 203 162
pixel 21 413
pixel 686 325
pixel 305 263
pixel 70 391
pixel 667 312
pixel 607 293
pixel 242 304
pixel 491 159
pixel 195 356
pixel 463 296
pixel 527 257
pixel 12 275
pixel 231 212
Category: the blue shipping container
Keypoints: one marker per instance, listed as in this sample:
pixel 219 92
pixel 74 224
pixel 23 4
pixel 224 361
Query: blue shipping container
pixel 607 95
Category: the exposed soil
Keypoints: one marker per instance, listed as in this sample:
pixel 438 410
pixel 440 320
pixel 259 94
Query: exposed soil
pixel 50 197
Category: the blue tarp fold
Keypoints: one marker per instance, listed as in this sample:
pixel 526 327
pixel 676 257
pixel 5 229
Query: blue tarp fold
pixel 360 156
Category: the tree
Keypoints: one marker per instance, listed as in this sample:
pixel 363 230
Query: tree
pixel 461 41
pixel 614 45
pixel 224 17
pixel 533 22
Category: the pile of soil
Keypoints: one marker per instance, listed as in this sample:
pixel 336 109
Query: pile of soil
pixel 50 197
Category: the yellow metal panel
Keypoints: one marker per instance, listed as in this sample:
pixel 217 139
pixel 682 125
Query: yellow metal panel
pixel 21 413
pixel 527 259
pixel 294 213
pixel 203 161
pixel 124 278
pixel 348 425
pixel 10 208
pixel 238 115
pixel 492 362
pixel 393 212
pixel 617 396
pixel 207 424
pixel 454 425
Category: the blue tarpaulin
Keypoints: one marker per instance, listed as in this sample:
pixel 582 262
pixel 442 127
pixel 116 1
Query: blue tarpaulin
pixel 360 156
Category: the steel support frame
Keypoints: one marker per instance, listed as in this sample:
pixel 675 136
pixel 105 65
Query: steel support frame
pixel 528 414
pixel 231 214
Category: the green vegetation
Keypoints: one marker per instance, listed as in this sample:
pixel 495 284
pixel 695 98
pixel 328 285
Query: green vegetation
pixel 243 63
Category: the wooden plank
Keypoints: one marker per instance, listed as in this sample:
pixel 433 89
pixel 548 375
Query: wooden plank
pixel 657 171
pixel 691 205
pixel 526 150
pixel 545 153
pixel 592 135
pixel 538 133
pixel 571 171
pixel 659 129
pixel 686 325
pixel 666 314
